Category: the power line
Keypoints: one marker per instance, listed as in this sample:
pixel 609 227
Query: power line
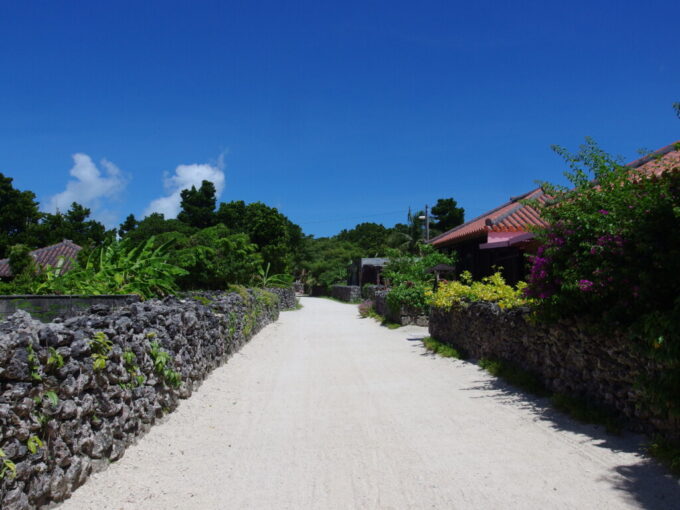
pixel 352 217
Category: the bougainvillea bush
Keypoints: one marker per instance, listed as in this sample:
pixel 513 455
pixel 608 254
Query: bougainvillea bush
pixel 612 256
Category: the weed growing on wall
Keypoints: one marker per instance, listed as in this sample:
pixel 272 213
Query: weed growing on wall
pixel 100 346
pixel 7 467
pixel 161 360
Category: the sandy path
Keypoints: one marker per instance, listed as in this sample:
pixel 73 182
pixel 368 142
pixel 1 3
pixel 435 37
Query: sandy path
pixel 325 410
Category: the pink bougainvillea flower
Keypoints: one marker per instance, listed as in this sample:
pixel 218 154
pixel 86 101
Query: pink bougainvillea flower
pixel 585 285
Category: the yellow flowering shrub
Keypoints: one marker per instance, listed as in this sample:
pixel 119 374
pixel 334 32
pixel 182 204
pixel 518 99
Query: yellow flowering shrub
pixel 491 288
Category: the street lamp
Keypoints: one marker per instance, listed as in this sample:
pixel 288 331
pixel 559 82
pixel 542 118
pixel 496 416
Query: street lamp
pixel 427 223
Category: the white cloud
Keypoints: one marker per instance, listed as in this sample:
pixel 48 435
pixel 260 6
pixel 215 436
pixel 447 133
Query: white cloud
pixel 90 186
pixel 185 177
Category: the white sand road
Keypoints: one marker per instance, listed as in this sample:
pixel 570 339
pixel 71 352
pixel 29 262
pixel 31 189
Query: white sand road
pixel 324 410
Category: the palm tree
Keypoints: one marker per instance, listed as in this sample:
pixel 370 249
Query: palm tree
pixel 405 237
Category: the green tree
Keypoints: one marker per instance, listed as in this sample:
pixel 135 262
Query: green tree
pixel 279 240
pixel 370 237
pixel 328 260
pixel 406 237
pixel 19 214
pixel 213 258
pixel 155 224
pixel 447 214
pixel 74 225
pixel 198 205
pixel 676 106
pixel 128 225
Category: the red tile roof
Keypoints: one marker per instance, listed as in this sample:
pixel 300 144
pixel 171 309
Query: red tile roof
pixel 516 217
pixel 512 216
pixel 49 255
pixel 659 161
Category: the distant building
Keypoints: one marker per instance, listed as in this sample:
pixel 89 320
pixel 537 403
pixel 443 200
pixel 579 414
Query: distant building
pixel 367 270
pixel 48 256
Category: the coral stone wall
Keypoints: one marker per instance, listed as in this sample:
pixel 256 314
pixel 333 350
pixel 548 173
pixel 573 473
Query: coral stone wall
pixel 287 299
pixel 348 293
pixel 404 316
pixel 567 357
pixel 85 413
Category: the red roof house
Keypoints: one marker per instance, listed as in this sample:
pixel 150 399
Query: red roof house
pixel 501 236
pixel 50 255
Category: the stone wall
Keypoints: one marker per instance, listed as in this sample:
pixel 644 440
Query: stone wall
pixel 348 293
pixel 368 291
pixel 566 357
pixel 287 297
pixel 47 308
pixel 88 386
pixel 404 316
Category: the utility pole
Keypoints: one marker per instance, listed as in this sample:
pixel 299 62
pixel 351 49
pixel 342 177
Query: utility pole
pixel 427 223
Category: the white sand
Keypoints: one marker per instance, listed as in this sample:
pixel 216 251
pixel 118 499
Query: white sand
pixel 326 410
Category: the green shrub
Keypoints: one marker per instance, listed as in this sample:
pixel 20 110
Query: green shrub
pixel 117 268
pixel 408 277
pixel 492 288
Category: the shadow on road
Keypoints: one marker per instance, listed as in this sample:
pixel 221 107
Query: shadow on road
pixel 647 483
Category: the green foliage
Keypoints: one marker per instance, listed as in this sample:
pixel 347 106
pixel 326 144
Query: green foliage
pixel 19 214
pixel 366 309
pixel 611 257
pixel 100 346
pixel 443 350
pixel 407 237
pixel 328 260
pixel 52 398
pixel 279 241
pixel 213 258
pixel 20 260
pixel 491 288
pixel 118 268
pixel 666 452
pixel 34 443
pixel 7 466
pixel 264 279
pixel 33 363
pixel 128 225
pixel 161 361
pixel 130 363
pixel 198 205
pixel 408 277
pixel 55 360
pixel 154 225
pixel 74 225
pixel 370 238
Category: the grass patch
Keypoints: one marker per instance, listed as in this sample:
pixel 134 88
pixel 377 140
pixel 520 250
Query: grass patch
pixel 443 350
pixel 666 452
pixel 586 412
pixel 514 375
pixel 366 309
pixel 298 305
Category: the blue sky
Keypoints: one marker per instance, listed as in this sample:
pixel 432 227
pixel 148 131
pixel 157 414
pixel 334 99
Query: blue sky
pixel 335 114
